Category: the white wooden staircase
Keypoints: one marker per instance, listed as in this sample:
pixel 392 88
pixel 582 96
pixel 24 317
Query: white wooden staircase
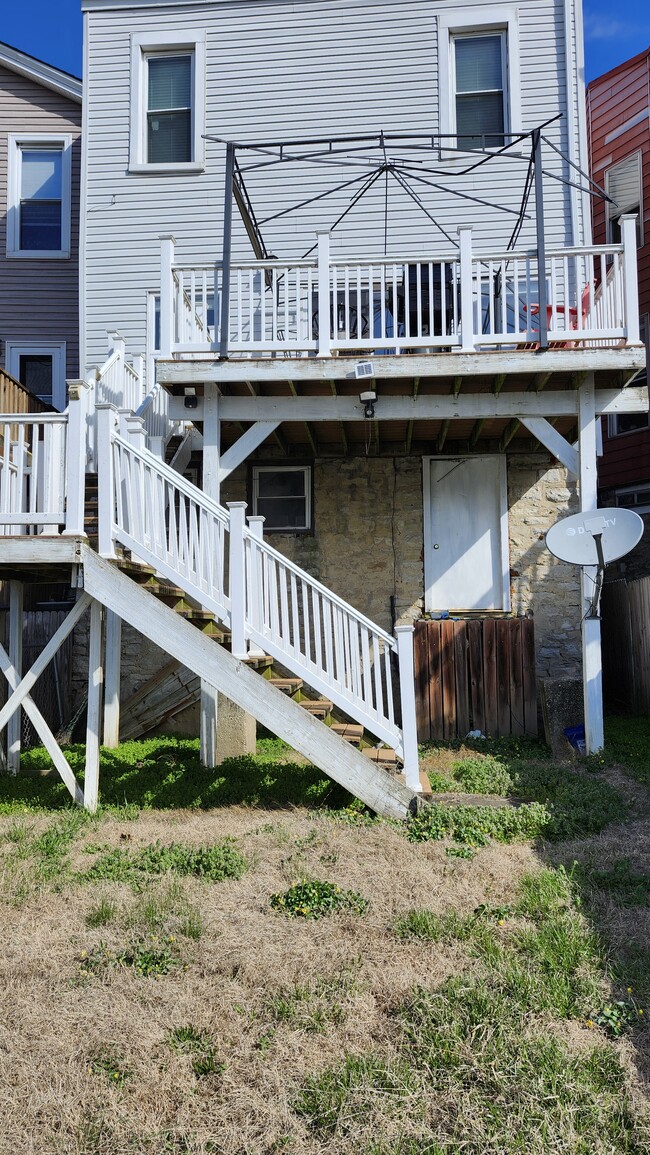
pixel 211 567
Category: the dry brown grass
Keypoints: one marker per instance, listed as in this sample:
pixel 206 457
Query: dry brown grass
pixel 55 1021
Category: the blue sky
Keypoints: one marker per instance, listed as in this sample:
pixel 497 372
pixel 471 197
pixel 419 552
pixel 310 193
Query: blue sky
pixel 51 30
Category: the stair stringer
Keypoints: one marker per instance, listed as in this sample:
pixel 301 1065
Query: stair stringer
pixel 216 666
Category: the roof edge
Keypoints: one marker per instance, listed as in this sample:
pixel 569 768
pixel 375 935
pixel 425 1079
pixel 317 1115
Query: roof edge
pixel 618 68
pixel 37 70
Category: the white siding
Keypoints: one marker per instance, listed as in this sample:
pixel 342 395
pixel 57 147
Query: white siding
pixel 286 69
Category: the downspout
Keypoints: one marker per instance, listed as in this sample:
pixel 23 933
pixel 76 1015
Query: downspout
pixel 83 186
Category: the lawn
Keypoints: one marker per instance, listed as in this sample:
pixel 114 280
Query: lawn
pixel 245 961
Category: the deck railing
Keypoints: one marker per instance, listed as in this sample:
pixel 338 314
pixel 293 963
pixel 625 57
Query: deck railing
pixel 32 473
pixel 16 398
pixel 458 301
pixel 266 601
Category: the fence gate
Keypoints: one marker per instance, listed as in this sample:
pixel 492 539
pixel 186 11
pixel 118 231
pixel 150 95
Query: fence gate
pixel 475 675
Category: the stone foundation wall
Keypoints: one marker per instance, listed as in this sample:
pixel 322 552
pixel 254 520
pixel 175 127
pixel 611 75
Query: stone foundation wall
pixel 367 546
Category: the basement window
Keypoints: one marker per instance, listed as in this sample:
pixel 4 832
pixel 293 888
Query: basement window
pixel 282 494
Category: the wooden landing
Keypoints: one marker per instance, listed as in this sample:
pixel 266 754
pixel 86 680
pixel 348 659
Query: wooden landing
pixel 38 559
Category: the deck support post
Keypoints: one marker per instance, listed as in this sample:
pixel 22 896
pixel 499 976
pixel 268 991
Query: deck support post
pixel 14 725
pixel 404 635
pixel 226 251
pixel 106 419
pixel 212 488
pixel 167 243
pixel 254 579
pixel 237 580
pixel 324 309
pixel 541 238
pixel 630 277
pixel 466 289
pixel 591 634
pixel 95 679
pixel 75 458
pixel 112 680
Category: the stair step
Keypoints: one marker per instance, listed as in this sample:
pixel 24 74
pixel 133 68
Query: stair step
pixel 383 757
pixel 259 662
pixel 319 707
pixel 289 685
pixel 350 731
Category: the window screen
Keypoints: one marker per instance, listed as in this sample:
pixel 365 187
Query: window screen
pixel 169 109
pixel 41 197
pixel 283 496
pixel 479 68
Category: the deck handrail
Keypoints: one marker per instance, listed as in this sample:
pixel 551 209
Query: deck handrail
pixel 463 299
pixel 17 398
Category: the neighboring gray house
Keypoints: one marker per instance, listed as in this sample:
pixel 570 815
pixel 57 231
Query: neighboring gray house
pixel 40 152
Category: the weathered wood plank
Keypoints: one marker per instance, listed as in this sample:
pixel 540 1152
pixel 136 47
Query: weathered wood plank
pixel 517 712
pixel 475 661
pixel 503 677
pixel 490 677
pixel 462 683
pixel 421 662
pixel 529 678
pixel 448 680
pixel 436 715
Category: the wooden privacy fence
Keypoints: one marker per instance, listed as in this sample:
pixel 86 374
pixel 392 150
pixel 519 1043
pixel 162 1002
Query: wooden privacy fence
pixel 625 611
pixel 475 675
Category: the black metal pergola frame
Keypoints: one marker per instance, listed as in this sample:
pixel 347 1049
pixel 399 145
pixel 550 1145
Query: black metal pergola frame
pixel 347 151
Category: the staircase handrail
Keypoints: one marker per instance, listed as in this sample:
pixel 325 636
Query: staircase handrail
pixel 314 584
pixel 173 478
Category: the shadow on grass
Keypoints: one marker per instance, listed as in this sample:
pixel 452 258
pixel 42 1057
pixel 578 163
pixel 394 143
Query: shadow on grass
pixel 166 773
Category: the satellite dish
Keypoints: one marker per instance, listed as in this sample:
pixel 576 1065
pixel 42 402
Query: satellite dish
pixel 577 538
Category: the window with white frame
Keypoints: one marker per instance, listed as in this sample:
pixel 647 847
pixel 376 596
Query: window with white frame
pixel 624 184
pixel 167 101
pixel 39 196
pixel 282 494
pixel 479 69
pixel 479 75
pixel 40 368
pixel 619 423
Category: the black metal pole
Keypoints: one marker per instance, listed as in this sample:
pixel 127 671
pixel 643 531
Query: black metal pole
pixel 226 259
pixel 541 239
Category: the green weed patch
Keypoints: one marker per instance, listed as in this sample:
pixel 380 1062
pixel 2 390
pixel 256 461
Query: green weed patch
pixel 212 863
pixel 314 899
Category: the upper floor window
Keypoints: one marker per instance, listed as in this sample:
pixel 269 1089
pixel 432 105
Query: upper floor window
pixel 167 101
pixel 479 75
pixel 480 89
pixel 39 196
pixel 624 184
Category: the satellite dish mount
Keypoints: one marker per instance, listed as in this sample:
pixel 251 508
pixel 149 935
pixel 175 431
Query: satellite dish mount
pixel 595 539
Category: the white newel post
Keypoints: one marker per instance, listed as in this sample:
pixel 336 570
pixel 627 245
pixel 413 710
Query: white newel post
pixel 324 310
pixel 237 579
pixel 405 660
pixel 591 633
pixel 166 295
pixel 138 369
pixel 135 432
pixel 466 288
pixel 255 591
pixel 75 458
pixel 116 344
pixel 95 684
pixel 106 423
pixel 630 275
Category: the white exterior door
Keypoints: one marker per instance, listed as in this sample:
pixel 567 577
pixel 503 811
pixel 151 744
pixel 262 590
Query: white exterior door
pixel 466 563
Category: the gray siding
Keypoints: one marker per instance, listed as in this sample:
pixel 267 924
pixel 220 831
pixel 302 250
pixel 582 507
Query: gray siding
pixel 39 299
pixel 278 69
